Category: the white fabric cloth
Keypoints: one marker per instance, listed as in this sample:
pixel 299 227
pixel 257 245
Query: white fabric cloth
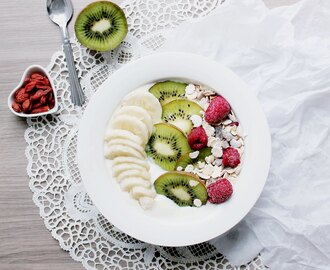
pixel 284 55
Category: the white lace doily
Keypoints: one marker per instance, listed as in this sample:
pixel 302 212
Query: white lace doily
pixel 55 181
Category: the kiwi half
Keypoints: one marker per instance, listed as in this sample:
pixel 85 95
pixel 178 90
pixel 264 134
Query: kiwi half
pixel 178 113
pixel 184 160
pixel 166 145
pixel 101 26
pixel 182 188
pixel 168 91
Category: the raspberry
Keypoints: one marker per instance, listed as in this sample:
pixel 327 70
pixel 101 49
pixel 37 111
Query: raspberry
pixel 220 191
pixel 231 157
pixel 197 138
pixel 218 109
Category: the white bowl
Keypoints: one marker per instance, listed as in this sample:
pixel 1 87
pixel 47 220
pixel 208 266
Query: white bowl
pixel 165 224
pixel 27 73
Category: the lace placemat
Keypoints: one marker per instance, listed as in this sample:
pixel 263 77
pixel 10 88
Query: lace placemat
pixel 55 181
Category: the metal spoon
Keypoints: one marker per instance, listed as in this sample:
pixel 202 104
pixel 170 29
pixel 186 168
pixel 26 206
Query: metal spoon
pixel 60 12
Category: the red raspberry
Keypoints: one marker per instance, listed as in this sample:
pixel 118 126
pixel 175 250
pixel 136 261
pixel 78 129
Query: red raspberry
pixel 197 138
pixel 220 191
pixel 231 157
pixel 218 109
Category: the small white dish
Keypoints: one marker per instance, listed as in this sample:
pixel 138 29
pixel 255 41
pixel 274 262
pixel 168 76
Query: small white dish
pixel 167 224
pixel 27 73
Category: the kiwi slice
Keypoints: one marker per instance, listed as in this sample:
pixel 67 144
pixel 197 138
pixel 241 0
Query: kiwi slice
pixel 101 26
pixel 178 113
pixel 186 159
pixel 168 91
pixel 166 145
pixel 184 189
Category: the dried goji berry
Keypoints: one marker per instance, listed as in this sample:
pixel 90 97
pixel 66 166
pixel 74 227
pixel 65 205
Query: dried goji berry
pixel 42 86
pixel 51 103
pixel 43 100
pixel 41 109
pixel 20 96
pixel 47 91
pixel 29 87
pixel 16 107
pixel 26 106
pixel 36 105
pixel 37 95
pixel 37 76
pixel 20 91
pixel 46 81
pixel 27 80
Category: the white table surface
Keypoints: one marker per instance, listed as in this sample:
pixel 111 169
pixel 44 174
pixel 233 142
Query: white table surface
pixel 28 37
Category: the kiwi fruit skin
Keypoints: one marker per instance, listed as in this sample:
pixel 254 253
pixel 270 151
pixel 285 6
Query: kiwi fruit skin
pixel 166 145
pixel 184 160
pixel 94 13
pixel 168 91
pixel 178 113
pixel 165 184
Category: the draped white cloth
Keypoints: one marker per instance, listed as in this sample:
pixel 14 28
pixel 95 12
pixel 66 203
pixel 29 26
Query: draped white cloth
pixel 284 55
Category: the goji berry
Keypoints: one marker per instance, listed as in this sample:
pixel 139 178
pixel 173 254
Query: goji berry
pixel 41 109
pixel 20 95
pixel 37 95
pixel 26 106
pixel 37 76
pixel 30 86
pixel 36 105
pixel 42 86
pixel 47 91
pixel 16 107
pixel 46 81
pixel 52 103
pixel 43 100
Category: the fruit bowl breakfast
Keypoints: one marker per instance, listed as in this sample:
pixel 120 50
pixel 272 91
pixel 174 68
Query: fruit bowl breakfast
pixel 188 130
pixel 167 149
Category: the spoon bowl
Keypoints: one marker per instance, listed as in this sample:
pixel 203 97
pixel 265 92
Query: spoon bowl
pixel 60 11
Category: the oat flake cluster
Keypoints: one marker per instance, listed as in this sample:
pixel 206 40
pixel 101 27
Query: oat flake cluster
pixel 227 134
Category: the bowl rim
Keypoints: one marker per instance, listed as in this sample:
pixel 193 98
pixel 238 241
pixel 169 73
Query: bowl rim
pixel 174 235
pixel 27 72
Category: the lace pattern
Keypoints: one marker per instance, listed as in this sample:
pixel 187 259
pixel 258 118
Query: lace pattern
pixel 51 140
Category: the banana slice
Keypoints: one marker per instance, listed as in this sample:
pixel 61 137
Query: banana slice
pixel 128 143
pixel 120 168
pixel 137 112
pixel 131 160
pixel 146 202
pixel 128 183
pixel 147 101
pixel 122 150
pixel 133 125
pixel 134 173
pixel 138 192
pixel 122 134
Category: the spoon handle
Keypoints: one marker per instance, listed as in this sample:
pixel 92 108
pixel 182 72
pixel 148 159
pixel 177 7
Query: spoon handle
pixel 77 95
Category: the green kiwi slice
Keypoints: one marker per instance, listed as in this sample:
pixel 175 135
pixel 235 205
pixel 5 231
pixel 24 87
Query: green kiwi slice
pixel 184 189
pixel 184 160
pixel 101 26
pixel 166 145
pixel 168 91
pixel 178 113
